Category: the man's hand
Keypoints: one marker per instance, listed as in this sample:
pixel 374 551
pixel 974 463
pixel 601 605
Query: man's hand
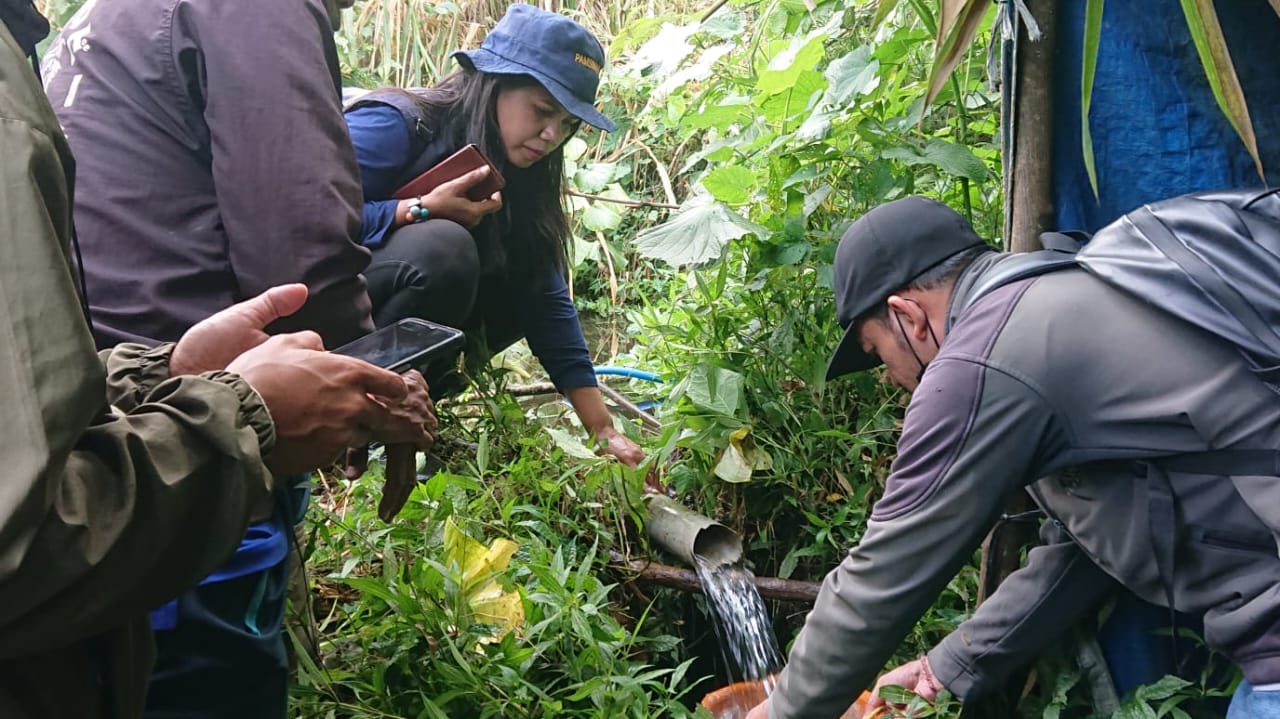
pixel 759 711
pixel 618 445
pixel 322 403
pixel 915 676
pixel 411 414
pixel 210 345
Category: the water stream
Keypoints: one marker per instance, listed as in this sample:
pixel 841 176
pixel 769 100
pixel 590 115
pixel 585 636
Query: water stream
pixel 741 622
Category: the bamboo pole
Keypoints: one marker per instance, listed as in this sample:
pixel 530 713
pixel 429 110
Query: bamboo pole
pixel 686 580
pixel 1029 199
pixel 1030 191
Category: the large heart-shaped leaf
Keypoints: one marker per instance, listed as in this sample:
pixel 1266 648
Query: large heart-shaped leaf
pixel 696 235
pixel 715 389
pixel 847 77
pixel 785 67
pixel 730 184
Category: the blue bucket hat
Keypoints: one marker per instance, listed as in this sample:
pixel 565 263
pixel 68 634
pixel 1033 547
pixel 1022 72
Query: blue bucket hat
pixel 556 51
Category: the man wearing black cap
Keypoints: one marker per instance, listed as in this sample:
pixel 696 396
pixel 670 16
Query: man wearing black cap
pixel 1060 384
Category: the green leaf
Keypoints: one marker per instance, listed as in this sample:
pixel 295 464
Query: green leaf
pixel 741 457
pixel 600 217
pixel 854 74
pixel 721 115
pixel 697 234
pixel 1092 33
pixel 957 25
pixel 795 101
pixel 1202 20
pixel 785 68
pixel 595 176
pixel 790 253
pixel 571 445
pixel 885 7
pixel 574 148
pixel 1166 687
pixel 731 184
pixel 954 159
pixel 715 389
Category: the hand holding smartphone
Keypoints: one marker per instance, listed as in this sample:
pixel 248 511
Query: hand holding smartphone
pixel 451 168
pixel 408 344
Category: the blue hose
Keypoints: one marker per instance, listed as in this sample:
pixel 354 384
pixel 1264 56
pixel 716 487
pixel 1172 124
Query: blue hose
pixel 629 372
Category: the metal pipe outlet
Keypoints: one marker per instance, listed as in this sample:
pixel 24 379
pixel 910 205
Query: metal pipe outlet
pixel 685 533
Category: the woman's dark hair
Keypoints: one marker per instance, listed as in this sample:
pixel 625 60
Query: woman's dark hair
pixel 531 232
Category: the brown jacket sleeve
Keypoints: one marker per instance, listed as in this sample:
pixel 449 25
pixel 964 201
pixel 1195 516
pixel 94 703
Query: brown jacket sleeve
pixel 283 167
pixel 102 515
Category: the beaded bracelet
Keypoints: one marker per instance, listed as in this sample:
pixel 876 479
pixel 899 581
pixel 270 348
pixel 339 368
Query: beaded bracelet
pixel 417 212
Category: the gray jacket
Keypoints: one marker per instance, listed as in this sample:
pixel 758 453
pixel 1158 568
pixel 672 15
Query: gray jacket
pixel 1056 384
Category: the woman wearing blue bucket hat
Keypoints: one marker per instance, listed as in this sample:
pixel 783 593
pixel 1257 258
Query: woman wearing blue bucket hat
pixel 495 267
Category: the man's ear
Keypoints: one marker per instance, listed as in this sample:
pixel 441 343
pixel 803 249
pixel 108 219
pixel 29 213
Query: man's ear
pixel 912 315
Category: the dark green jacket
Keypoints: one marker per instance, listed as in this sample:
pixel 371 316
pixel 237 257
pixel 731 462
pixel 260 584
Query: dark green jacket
pixel 121 486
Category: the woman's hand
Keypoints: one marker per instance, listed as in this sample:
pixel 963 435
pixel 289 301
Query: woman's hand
pixel 450 202
pixel 618 445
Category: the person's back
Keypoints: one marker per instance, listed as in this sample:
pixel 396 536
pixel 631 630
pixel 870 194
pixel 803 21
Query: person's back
pixel 212 162
pixel 1124 380
pixel 1064 385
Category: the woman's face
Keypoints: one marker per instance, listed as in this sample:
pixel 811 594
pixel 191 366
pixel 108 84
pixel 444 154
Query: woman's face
pixel 532 124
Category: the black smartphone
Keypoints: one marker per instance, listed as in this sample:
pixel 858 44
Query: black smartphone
pixel 406 345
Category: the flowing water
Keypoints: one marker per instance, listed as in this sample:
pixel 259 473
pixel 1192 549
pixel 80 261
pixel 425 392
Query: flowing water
pixel 742 624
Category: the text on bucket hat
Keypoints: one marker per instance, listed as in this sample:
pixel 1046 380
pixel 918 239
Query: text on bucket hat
pixel 556 51
pixel 883 252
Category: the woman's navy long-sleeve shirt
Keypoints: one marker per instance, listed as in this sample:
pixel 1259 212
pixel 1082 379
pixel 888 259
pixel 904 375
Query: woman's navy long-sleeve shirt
pixel 549 319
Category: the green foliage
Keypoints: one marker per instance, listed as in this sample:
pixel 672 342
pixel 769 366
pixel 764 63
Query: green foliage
pixel 401 638
pixel 705 230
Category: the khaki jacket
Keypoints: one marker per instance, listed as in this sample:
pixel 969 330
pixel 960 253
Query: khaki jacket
pixel 121 486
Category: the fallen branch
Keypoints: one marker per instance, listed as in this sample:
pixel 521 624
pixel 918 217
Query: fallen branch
pixel 686 580
pixel 630 408
pixel 628 203
pixel 532 390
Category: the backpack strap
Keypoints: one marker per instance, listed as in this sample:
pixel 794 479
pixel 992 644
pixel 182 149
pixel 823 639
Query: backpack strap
pixel 1162 507
pixel 1021 266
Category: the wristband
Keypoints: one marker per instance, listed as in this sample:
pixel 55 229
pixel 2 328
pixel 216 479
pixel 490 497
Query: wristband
pixel 416 212
pixel 929 676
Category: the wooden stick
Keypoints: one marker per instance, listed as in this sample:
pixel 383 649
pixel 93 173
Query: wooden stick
pixel 630 408
pixel 686 580
pixel 628 203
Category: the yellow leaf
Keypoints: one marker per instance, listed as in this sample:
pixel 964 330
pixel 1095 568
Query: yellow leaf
pixel 480 565
pixel 491 605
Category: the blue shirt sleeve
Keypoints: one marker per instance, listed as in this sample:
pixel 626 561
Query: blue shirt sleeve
pixel 554 334
pixel 381 141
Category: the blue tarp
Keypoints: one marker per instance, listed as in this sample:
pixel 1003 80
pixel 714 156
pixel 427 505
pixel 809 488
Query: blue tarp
pixel 1157 133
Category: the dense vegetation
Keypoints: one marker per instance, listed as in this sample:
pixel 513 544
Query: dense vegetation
pixel 769 124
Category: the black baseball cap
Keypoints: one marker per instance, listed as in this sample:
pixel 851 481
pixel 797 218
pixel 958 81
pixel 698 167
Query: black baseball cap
pixel 557 52
pixel 883 252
